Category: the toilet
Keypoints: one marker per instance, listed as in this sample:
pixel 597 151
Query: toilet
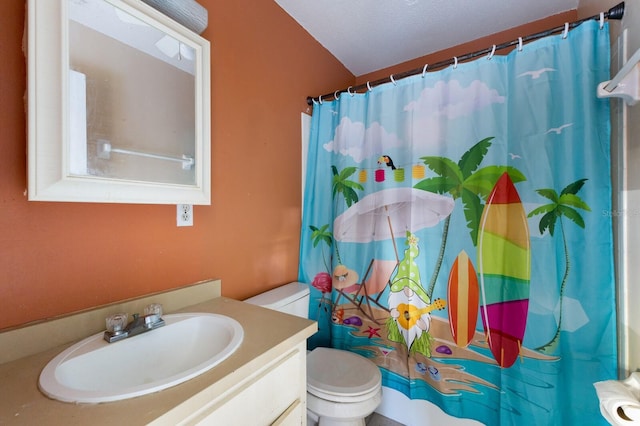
pixel 343 388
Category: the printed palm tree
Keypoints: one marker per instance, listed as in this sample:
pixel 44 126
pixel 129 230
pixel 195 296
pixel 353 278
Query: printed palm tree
pixel 322 280
pixel 341 185
pixel 465 181
pixel 561 206
pixel 319 235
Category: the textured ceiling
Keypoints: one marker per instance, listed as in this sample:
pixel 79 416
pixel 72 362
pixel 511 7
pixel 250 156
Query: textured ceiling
pixel 368 35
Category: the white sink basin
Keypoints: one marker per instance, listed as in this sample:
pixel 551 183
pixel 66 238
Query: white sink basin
pixel 93 371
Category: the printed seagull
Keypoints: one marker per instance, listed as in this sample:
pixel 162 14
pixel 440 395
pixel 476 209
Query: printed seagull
pixel 558 130
pixel 537 73
pixel 514 156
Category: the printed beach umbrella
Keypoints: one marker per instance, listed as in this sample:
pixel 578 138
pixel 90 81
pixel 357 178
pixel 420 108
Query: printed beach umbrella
pixel 377 215
pixel 375 218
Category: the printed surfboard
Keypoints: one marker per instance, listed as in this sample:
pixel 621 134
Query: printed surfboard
pixel 504 261
pixel 462 299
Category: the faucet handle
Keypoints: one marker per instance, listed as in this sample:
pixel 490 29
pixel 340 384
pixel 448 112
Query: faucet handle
pixel 153 316
pixel 153 309
pixel 116 323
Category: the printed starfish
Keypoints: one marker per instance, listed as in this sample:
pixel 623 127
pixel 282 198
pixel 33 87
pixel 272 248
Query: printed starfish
pixel 373 332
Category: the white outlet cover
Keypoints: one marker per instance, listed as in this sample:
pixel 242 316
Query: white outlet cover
pixel 184 215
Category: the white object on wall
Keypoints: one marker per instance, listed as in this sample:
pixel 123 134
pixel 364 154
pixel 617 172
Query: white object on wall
pixel 52 174
pixel 186 12
pixel 625 208
pixel 626 84
pixel 184 215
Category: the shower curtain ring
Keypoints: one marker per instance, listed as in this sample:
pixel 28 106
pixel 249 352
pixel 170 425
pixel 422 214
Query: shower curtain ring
pixel 349 91
pixel 336 95
pixel 566 30
pixel 455 62
pixel 601 20
pixel 493 51
pixel 519 44
pixel 369 87
pixel 424 70
pixel 392 80
pixel 320 99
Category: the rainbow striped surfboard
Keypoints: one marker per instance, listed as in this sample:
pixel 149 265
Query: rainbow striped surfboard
pixel 504 259
pixel 462 299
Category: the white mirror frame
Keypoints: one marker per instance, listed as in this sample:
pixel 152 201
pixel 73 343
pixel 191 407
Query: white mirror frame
pixel 48 115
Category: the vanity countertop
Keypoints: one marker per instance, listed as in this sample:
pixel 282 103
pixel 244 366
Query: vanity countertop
pixel 268 334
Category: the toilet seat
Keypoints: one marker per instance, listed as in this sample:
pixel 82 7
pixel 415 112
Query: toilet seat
pixel 341 376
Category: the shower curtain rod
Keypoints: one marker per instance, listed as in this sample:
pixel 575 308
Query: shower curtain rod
pixel 616 12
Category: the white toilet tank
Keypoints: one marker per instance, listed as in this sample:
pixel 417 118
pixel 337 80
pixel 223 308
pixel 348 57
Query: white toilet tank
pixel 292 298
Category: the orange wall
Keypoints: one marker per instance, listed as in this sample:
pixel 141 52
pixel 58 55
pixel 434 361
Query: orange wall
pixel 57 258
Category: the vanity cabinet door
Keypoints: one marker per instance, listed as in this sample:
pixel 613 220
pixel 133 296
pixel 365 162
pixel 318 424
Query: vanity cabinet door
pixel 275 394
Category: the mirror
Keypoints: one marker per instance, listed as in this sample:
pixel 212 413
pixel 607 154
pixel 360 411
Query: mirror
pixel 119 105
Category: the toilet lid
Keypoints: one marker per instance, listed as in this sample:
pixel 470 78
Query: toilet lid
pixel 341 373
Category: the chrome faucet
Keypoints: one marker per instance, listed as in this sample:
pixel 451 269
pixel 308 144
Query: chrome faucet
pixel 118 329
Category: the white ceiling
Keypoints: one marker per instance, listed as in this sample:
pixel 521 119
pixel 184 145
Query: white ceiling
pixel 369 35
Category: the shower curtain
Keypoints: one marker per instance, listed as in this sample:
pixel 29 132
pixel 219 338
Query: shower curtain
pixel 457 232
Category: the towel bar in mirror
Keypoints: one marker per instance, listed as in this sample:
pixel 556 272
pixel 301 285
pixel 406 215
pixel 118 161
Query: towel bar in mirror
pixel 118 105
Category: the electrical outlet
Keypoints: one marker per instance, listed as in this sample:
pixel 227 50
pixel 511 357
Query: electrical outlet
pixel 184 215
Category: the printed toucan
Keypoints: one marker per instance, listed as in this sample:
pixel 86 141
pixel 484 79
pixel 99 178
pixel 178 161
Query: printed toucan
pixel 386 160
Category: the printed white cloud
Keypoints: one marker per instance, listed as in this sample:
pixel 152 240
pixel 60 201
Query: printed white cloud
pixel 452 100
pixel 445 101
pixel 434 106
pixel 353 139
pixel 574 316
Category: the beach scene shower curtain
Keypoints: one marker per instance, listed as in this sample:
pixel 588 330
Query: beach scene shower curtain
pixel 457 232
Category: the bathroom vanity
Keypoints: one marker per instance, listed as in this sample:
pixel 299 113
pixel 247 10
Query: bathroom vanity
pixel 263 382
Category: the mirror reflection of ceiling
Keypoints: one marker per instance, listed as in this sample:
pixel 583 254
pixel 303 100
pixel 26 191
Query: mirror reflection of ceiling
pixel 128 29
